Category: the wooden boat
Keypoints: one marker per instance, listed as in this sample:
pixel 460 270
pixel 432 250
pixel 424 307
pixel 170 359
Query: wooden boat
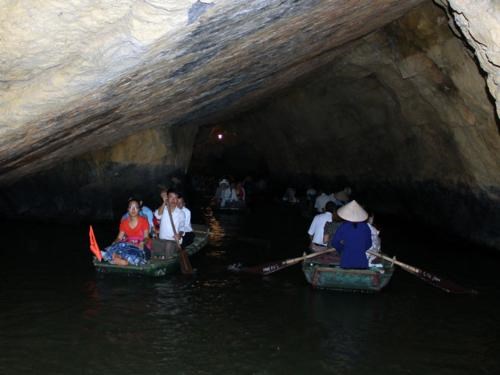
pixel 330 276
pixel 157 267
pixel 230 208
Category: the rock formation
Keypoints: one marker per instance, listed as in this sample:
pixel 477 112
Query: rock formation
pixel 478 22
pixel 80 75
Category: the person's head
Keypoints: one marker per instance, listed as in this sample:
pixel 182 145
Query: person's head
pixel 137 198
pixel 173 197
pixel 371 217
pixel 133 207
pixel 180 200
pixel 330 207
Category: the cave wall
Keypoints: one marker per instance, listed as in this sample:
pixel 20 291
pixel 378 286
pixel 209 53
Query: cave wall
pixel 96 185
pixel 477 22
pixel 404 116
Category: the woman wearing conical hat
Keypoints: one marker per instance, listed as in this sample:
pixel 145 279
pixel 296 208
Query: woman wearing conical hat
pixel 353 238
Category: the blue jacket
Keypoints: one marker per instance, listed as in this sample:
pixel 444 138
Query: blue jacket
pixel 352 243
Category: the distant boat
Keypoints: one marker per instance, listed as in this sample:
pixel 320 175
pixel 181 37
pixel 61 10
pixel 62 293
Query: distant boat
pixel 231 208
pixel 331 276
pixel 157 267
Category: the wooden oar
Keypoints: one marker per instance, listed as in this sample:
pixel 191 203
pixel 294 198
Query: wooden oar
pixel 271 267
pixel 437 281
pixel 186 267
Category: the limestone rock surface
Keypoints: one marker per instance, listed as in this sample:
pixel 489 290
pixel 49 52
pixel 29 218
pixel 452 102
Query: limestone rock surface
pixel 479 22
pixel 80 75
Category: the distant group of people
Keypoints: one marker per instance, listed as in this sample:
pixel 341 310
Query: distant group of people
pixel 350 230
pixel 143 232
pixel 318 199
pixel 230 194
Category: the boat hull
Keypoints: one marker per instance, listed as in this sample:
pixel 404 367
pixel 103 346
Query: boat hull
pixel 324 276
pixel 156 267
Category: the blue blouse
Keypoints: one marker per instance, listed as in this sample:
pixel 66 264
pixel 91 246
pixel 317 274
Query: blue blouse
pixel 352 242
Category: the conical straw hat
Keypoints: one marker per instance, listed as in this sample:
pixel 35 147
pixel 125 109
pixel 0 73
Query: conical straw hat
pixel 352 211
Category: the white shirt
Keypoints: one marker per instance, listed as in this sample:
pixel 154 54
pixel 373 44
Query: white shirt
pixel 375 238
pixel 226 194
pixel 187 222
pixel 317 228
pixel 166 231
pixel 375 244
pixel 320 202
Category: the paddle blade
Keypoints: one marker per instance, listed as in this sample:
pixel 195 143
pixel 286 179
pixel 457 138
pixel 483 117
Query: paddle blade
pixel 186 267
pixel 446 285
pixel 267 268
pixel 271 267
pixel 94 247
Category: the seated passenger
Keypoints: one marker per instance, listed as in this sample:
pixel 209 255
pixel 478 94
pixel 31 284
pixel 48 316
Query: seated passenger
pixel 131 245
pixel 342 197
pixel 240 194
pixel 289 196
pixel 188 237
pixel 223 184
pixel 311 196
pixel 353 238
pixel 332 226
pixel 316 229
pixel 374 261
pixel 145 212
pixel 226 195
pixel 320 202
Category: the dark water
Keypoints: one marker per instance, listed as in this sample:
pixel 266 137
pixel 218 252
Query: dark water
pixel 57 317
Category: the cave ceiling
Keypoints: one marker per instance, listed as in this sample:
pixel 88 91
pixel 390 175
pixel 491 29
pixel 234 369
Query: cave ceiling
pixel 77 76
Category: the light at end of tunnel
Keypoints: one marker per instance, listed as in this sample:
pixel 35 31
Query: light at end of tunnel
pixel 220 136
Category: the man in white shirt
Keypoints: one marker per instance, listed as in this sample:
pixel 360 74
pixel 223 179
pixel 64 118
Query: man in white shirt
pixel 188 237
pixel 316 230
pixel 320 202
pixel 167 243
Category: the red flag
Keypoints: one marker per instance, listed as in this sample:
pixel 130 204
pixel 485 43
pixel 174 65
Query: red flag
pixel 94 247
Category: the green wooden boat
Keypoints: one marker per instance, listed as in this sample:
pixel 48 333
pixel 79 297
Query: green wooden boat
pixel 331 276
pixel 156 267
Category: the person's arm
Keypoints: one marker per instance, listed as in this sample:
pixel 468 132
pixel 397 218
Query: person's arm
pixel 180 226
pixel 120 237
pixel 145 238
pixel 337 240
pixel 162 207
pixel 159 211
pixel 187 224
pixel 311 230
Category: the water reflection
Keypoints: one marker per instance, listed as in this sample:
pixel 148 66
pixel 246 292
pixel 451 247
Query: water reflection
pixel 57 317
